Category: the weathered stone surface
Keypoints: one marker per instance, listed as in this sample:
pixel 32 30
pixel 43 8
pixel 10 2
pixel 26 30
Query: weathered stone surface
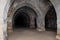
pixel 56 4
pixel 40 6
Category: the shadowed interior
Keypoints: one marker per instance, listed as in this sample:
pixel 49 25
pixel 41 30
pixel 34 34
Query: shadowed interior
pixel 51 20
pixel 21 20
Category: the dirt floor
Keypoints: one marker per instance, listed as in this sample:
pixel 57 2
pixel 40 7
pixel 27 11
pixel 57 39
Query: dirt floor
pixel 29 34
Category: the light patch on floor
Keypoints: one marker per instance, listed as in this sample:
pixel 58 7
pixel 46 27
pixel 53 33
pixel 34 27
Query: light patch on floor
pixel 29 34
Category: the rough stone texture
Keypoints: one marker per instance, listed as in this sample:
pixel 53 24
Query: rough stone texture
pixel 40 7
pixel 56 4
pixel 2 6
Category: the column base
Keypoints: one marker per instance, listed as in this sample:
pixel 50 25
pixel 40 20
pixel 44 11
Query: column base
pixel 32 27
pixel 40 30
pixel 58 37
pixel 10 31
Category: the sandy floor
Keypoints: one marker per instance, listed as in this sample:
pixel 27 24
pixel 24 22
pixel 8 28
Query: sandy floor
pixel 28 34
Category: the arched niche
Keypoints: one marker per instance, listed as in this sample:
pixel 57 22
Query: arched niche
pixel 51 20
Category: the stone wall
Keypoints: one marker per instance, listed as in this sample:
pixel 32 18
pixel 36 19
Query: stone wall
pixel 40 6
pixel 2 7
pixel 56 4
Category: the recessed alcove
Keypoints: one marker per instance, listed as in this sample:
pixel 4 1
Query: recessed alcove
pixel 51 20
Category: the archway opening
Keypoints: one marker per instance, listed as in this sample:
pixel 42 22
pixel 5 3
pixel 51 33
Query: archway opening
pixel 51 20
pixel 23 18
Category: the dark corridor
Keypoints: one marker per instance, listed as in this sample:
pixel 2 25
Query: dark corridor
pixel 21 20
pixel 51 20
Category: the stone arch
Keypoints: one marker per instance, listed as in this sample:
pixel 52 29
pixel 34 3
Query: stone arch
pixel 20 18
pixel 30 14
pixel 52 2
pixel 51 19
pixel 57 8
pixel 36 9
pixel 14 8
pixel 53 5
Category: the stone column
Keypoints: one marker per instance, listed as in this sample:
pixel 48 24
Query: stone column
pixel 56 4
pixel 9 25
pixel 1 30
pixel 4 6
pixel 58 22
pixel 40 24
pixel 32 22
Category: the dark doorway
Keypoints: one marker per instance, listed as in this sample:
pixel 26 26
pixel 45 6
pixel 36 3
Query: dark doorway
pixel 21 20
pixel 51 20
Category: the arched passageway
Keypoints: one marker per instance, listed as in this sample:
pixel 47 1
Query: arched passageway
pixel 21 19
pixel 51 20
pixel 24 18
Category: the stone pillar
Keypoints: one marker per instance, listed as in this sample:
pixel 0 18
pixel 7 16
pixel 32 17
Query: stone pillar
pixel 58 22
pixel 9 25
pixel 1 30
pixel 32 22
pixel 4 6
pixel 40 23
pixel 56 4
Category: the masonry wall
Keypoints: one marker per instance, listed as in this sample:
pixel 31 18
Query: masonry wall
pixel 38 5
pixel 56 4
pixel 4 7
